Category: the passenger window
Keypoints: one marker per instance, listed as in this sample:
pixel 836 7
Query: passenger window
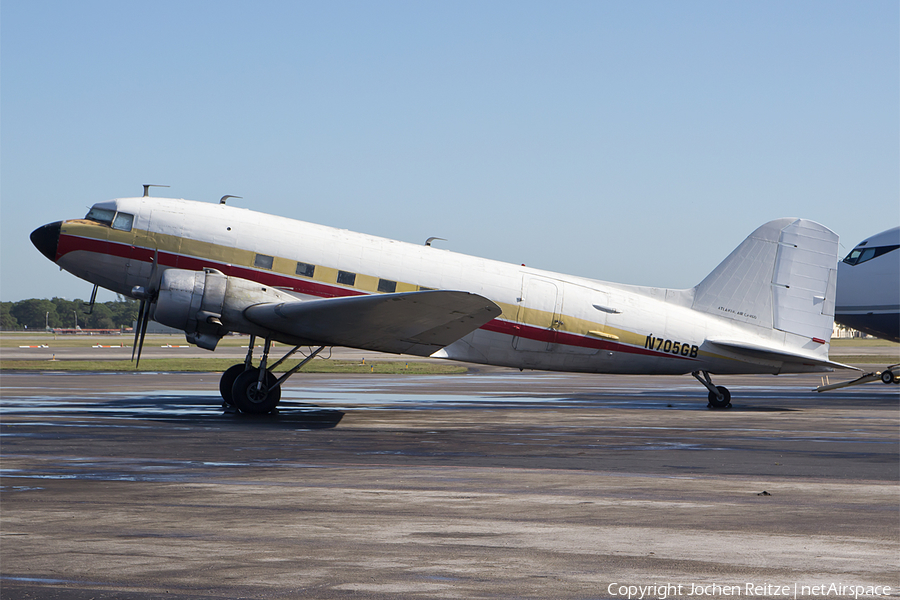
pixel 263 262
pixel 123 222
pixel 305 269
pixel 387 286
pixel 101 215
pixel 346 278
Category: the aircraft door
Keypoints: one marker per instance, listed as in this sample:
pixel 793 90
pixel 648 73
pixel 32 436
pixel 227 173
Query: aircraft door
pixel 538 319
pixel 586 311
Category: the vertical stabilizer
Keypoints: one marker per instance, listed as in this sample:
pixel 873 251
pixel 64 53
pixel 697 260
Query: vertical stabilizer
pixel 783 276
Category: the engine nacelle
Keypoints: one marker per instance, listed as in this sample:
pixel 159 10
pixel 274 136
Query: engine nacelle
pixel 208 304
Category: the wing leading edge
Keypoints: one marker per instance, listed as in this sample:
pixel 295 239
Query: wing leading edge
pixel 418 323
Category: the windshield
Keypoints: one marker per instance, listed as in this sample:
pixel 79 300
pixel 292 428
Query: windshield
pixel 101 215
pixel 106 216
pixel 860 255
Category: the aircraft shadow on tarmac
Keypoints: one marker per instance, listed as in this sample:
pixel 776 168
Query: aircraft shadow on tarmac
pixel 637 401
pixel 201 408
pixel 177 408
pixel 296 417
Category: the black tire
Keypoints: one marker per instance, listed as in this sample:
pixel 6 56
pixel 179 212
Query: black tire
pixel 251 400
pixel 226 383
pixel 887 377
pixel 725 402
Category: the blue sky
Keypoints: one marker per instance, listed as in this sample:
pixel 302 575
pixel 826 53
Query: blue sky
pixel 626 141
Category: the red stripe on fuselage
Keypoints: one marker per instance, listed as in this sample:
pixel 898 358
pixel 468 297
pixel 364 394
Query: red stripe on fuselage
pixel 551 336
pixel 71 243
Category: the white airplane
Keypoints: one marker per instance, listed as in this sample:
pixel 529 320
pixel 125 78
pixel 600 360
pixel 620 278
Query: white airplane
pixel 868 297
pixel 209 269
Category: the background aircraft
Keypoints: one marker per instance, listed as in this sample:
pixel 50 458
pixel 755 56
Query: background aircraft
pixel 868 293
pixel 209 269
pixel 868 296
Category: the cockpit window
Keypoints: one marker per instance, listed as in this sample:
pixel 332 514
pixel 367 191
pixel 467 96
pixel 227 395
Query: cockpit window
pixel 108 216
pixel 123 221
pixel 101 215
pixel 860 255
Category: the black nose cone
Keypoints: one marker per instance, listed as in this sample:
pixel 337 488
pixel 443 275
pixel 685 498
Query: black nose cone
pixel 46 239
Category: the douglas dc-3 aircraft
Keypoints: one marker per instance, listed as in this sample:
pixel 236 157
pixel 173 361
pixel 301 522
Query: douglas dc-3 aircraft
pixel 209 269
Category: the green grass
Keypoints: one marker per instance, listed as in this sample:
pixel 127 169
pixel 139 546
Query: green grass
pixel 16 339
pixel 862 343
pixel 864 359
pixel 215 365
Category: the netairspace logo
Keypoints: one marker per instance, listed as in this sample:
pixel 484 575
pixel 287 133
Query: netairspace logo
pixel 750 590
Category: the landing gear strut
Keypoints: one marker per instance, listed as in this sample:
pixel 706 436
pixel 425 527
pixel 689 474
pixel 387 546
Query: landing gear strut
pixel 256 390
pixel 719 396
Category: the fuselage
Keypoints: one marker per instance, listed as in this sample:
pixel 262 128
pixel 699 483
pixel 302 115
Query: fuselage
pixel 549 320
pixel 868 294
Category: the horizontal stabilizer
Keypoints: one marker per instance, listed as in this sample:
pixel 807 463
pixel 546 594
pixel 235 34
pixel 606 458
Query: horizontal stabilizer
pixel 763 352
pixel 417 323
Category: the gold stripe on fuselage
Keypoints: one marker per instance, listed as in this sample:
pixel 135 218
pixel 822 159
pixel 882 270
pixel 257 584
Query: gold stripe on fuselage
pixel 229 255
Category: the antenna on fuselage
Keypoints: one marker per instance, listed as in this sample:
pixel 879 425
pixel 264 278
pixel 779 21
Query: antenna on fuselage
pixel 147 187
pixel 431 239
pixel 224 198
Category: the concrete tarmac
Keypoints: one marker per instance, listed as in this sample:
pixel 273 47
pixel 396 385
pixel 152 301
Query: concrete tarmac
pixel 497 484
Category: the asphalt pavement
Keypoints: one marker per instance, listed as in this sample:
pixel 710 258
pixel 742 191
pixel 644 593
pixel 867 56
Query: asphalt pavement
pixel 496 484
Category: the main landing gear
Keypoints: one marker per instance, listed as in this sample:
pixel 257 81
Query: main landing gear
pixel 256 390
pixel 719 396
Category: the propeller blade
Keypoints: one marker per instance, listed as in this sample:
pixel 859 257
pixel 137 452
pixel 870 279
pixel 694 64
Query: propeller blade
pixel 152 291
pixel 144 323
pixel 137 327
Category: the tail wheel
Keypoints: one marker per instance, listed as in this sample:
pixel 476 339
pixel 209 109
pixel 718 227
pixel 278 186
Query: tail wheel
pixel 725 402
pixel 252 398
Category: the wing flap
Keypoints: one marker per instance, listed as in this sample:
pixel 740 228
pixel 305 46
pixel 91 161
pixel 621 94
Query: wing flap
pixel 760 351
pixel 418 323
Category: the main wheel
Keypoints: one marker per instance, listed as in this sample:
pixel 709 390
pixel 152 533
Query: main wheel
pixel 725 402
pixel 248 396
pixel 227 382
pixel 887 377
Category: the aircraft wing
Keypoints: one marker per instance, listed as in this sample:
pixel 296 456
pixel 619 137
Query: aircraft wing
pixel 760 351
pixel 417 323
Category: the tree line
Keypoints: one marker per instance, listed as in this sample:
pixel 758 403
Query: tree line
pixel 38 314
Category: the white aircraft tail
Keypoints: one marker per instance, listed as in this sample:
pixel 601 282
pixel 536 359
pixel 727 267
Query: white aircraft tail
pixel 783 276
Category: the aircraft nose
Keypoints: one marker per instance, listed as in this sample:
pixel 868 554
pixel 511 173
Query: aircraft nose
pixel 46 239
